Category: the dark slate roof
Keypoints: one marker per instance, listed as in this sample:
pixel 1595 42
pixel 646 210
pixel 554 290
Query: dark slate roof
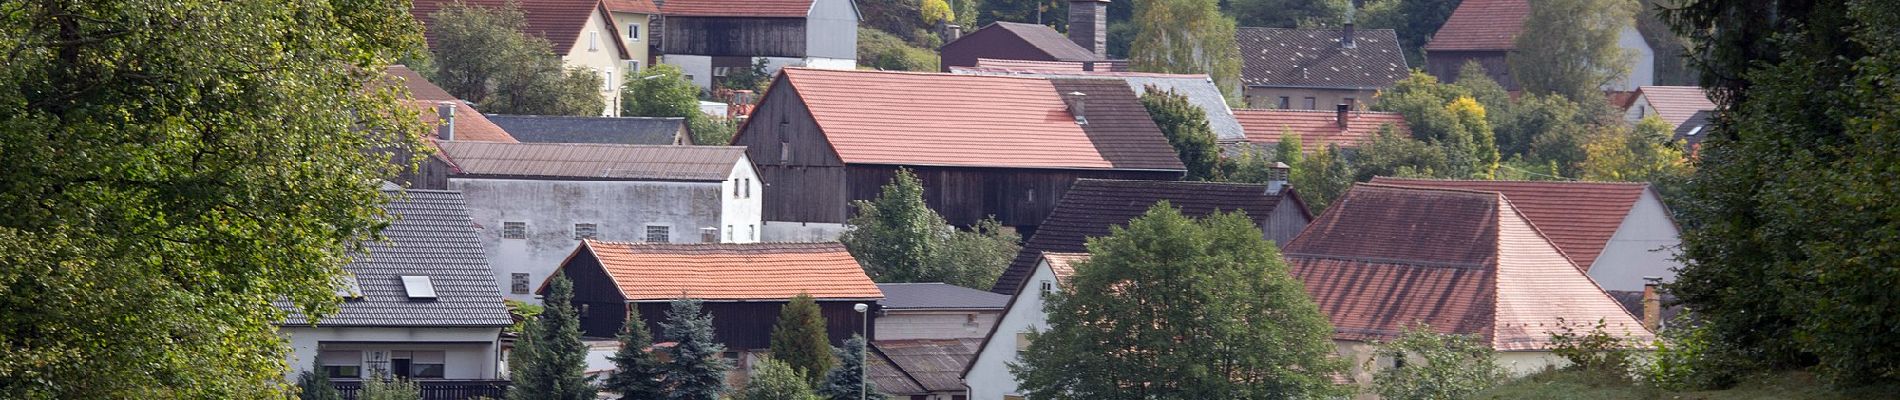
pixel 1045 38
pixel 1091 206
pixel 430 235
pixel 1119 125
pixel 913 367
pixel 600 130
pixel 938 296
pixel 1313 58
pixel 1695 128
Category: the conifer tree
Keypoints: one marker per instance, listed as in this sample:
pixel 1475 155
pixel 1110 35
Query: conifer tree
pixel 315 385
pixel 1185 126
pixel 556 367
pixel 799 339
pixel 636 371
pixel 698 367
pixel 847 380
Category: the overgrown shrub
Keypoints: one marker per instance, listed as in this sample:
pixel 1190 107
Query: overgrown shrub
pixel 389 388
pixel 881 50
pixel 1595 350
pixel 1435 367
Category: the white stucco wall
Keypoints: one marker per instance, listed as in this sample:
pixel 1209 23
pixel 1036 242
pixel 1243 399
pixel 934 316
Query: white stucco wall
pixel 1642 60
pixel 469 353
pixel 621 211
pixel 989 377
pixel 1645 245
pixel 594 50
pixel 791 231
pixel 700 67
pixel 1639 109
pixel 638 47
pixel 933 324
pixel 831 31
pixel 831 63
pixel 741 209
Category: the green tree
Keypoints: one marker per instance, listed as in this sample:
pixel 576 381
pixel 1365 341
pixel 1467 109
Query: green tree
pixel 1394 154
pixel 753 77
pixel 484 55
pixel 799 339
pixel 846 382
pixel 316 386
pixel 1446 117
pixel 382 387
pixel 1186 37
pixel 1053 13
pixel 935 12
pixel 1248 164
pixel 637 372
pixel 884 51
pixel 775 380
pixel 899 239
pixel 1322 177
pixel 1185 126
pixel 1572 51
pixel 660 90
pixel 1288 13
pixel 974 257
pixel 1171 307
pixel 1643 153
pixel 172 169
pixel 1472 147
pixel 712 131
pixel 1436 366
pixel 697 366
pixel 556 366
pixel 1415 21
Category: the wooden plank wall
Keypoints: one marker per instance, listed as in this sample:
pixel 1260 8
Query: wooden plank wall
pixel 1016 197
pixel 748 325
pixel 810 186
pixel 747 37
pixel 605 307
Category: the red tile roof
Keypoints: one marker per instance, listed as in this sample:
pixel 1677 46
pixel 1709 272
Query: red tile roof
pixel 1316 128
pixel 1482 25
pixel 1386 258
pixel 1579 217
pixel 1063 264
pixel 561 22
pixel 470 125
pixel 756 271
pixel 737 8
pixel 632 6
pixel 908 118
pixel 1675 104
pixel 420 88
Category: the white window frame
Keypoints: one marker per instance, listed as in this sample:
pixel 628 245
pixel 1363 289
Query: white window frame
pixel 593 40
pixel 633 32
pixel 523 234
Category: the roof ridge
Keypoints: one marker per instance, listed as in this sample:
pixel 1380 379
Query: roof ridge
pixel 613 145
pixel 1394 178
pixel 1286 110
pixel 711 244
pixel 1188 183
pixel 890 72
pixel 1431 189
pixel 1269 28
pixel 578 117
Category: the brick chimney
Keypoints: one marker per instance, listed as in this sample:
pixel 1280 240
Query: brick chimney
pixel 1340 116
pixel 1652 303
pixel 1088 25
pixel 1345 39
pixel 445 117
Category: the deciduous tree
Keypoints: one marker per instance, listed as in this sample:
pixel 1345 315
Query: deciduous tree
pixel 775 380
pixel 898 238
pixel 1185 126
pixel 1186 37
pixel 1435 366
pixel 485 55
pixel 1569 47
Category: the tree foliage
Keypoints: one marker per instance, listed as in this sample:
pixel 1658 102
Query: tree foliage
pixel 485 55
pixel 775 380
pixel 1185 126
pixel 1445 117
pixel 1643 153
pixel 637 372
pixel 315 385
pixel 660 90
pixel 554 364
pixel 1171 307
pixel 696 366
pixel 752 77
pixel 846 382
pixel 172 169
pixel 799 339
pixel 389 388
pixel 884 51
pixel 1415 21
pixel 899 239
pixel 712 131
pixel 1186 37
pixel 1288 13
pixel 1435 367
pixel 1570 47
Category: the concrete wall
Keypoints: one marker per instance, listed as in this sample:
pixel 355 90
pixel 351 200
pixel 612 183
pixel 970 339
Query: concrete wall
pixel 594 51
pixel 933 324
pixel 739 213
pixel 1645 245
pixel 621 211
pixel 1642 60
pixel 700 67
pixel 831 31
pixel 1324 99
pixel 791 231
pixel 831 63
pixel 469 353
pixel 639 48
pixel 989 377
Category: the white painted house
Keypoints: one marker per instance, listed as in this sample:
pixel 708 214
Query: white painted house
pixel 988 375
pixel 583 33
pixel 421 305
pixel 536 201
pixel 936 311
pixel 708 39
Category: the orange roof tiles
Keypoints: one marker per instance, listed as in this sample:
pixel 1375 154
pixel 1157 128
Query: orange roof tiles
pixel 1676 104
pixel 908 118
pixel 1316 128
pixel 559 21
pixel 632 6
pixel 470 125
pixel 1482 25
pixel 756 271
pixel 1579 217
pixel 1386 258
pixel 1063 264
pixel 737 8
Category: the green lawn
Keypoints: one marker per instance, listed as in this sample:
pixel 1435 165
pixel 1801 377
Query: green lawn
pixel 1569 385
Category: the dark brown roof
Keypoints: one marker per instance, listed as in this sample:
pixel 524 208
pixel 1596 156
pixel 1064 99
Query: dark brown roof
pixel 592 161
pixel 737 8
pixel 919 366
pixel 1386 258
pixel 1045 38
pixel 1313 58
pixel 1482 25
pixel 1580 217
pixel 1091 206
pixel 561 22
pixel 1119 125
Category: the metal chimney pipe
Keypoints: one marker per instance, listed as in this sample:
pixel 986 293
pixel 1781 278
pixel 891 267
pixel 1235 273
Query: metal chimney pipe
pixel 445 114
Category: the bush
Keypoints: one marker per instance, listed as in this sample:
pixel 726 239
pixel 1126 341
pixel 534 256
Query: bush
pixel 881 50
pixel 389 388
pixel 1593 351
pixel 1437 366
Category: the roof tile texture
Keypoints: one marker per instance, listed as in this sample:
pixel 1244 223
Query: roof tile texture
pixel 469 124
pixel 737 8
pixel 1676 104
pixel 632 6
pixel 1314 58
pixel 593 161
pixel 1043 37
pixel 1317 129
pixel 755 271
pixel 600 130
pixel 430 235
pixel 927 365
pixel 1580 217
pixel 1482 25
pixel 1198 88
pixel 927 296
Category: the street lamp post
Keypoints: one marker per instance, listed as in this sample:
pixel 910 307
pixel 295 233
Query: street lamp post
pixel 864 348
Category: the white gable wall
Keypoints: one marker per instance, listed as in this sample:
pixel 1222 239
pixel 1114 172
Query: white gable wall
pixel 1645 245
pixel 1642 60
pixel 989 377
pixel 594 50
pixel 935 324
pixel 741 209
pixel 831 32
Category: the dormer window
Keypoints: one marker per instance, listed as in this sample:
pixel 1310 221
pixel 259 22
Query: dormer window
pixel 349 289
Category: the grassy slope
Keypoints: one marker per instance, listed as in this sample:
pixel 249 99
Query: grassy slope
pixel 1568 385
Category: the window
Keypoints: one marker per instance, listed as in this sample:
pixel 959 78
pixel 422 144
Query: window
pixel 593 41
pixel 1286 102
pixel 586 231
pixel 416 364
pixel 720 72
pixel 418 287
pixel 582 312
pixel 606 81
pixel 350 289
pixel 708 235
pixel 728 233
pixel 514 230
pixel 748 188
pixel 784 152
pixel 1312 103
pixel 519 282
pixel 1032 195
pixel 633 66
pixel 659 234
pixel 341 364
pixel 633 32
pixel 735 187
pixel 752 231
pixel 1046 287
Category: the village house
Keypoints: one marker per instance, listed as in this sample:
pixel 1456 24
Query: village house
pixel 1693 130
pixel 936 311
pixel 1383 259
pixel 636 21
pixel 1090 209
pixel 1617 232
pixel 983 146
pixel 1318 130
pixel 743 287
pixel 1085 46
pixel 448 118
pixel 597 130
pixel 708 39
pixel 420 304
pixel 581 32
pixel 1485 32
pixel 1317 69
pixel 1674 104
pixel 921 369
pixel 1199 89
pixel 537 200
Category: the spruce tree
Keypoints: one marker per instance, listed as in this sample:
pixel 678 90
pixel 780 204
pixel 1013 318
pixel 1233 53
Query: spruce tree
pixel 557 365
pixel 521 365
pixel 847 380
pixel 799 339
pixel 315 385
pixel 698 367
pixel 636 372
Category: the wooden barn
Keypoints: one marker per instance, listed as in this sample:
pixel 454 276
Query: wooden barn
pixel 1000 146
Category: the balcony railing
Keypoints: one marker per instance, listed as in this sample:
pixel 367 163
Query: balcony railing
pixel 440 390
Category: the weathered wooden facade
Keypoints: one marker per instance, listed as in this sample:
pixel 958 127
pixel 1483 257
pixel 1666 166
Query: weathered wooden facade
pixel 1445 64
pixel 725 36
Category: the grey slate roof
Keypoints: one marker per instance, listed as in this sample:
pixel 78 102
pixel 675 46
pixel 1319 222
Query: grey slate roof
pixel 1313 58
pixel 431 235
pixel 938 296
pixel 920 366
pixel 590 161
pixel 1693 130
pixel 603 130
pixel 1048 40
pixel 1199 90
